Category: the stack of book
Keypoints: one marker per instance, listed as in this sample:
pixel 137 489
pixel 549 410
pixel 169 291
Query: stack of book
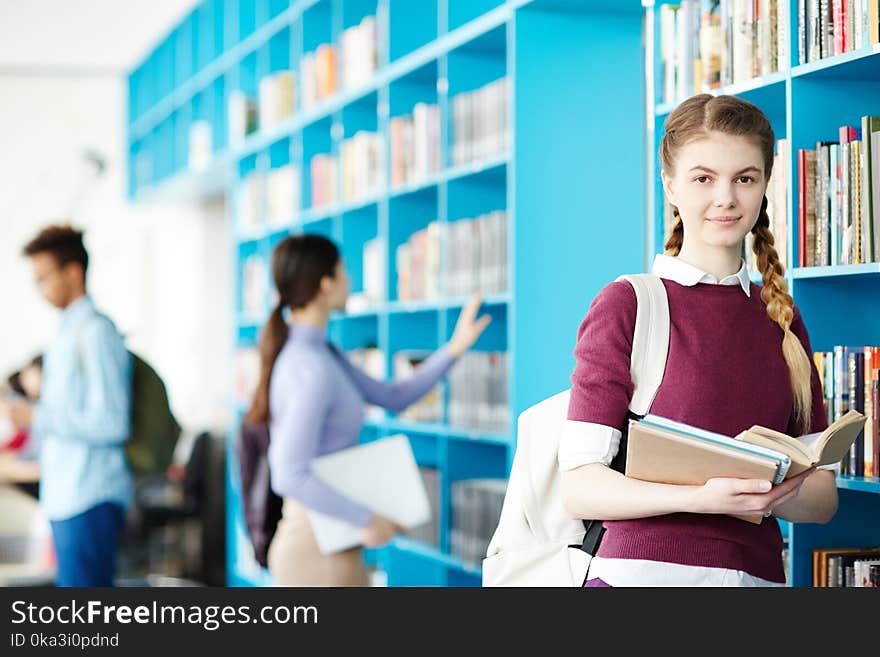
pixel 200 145
pixel 277 98
pixel 418 265
pixel 250 205
pixel 707 44
pixel 324 179
pixel 479 123
pixel 851 567
pixel 362 161
pixel 247 375
pixel 242 117
pixel 415 145
pixel 375 270
pixel 665 451
pixel 254 288
pixel 777 208
pixel 283 187
pixel 476 259
pixel 839 198
pixel 832 27
pixel 478 396
pixel 429 533
pixel 430 407
pixel 358 53
pixel 318 75
pixel 850 379
pixel 476 509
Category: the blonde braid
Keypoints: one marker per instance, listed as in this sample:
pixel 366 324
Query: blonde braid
pixel 780 308
pixel 676 237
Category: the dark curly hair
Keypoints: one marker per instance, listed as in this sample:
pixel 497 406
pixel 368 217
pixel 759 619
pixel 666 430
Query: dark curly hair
pixel 63 242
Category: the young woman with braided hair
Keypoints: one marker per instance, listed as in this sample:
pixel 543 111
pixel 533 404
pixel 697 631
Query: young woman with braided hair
pixel 738 356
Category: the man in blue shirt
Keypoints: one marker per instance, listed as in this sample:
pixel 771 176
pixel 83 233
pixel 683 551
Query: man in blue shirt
pixel 82 419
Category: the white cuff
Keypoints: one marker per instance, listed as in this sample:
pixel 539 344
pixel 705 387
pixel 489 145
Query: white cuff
pixel 586 442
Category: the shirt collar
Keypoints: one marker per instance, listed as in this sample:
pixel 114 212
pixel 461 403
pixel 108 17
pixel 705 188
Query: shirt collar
pixel 683 273
pixel 77 309
pixel 307 333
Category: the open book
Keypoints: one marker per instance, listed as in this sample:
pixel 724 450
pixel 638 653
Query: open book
pixel 823 448
pixel 666 451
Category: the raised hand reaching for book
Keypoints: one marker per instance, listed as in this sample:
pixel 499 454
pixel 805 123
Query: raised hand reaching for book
pixel 468 329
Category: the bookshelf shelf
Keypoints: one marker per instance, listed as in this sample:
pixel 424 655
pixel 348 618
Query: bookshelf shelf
pixel 806 103
pixel 431 52
pixel 447 431
pixel 418 548
pixel 863 484
pixel 863 64
pixel 865 269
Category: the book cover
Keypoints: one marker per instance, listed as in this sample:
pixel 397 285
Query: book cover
pixel 856 368
pixel 810 201
pixel 868 433
pixel 802 207
pixel 855 202
pixel 875 429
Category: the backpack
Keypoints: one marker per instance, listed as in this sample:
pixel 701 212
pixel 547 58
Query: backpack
pixel 262 506
pixel 154 430
pixel 536 542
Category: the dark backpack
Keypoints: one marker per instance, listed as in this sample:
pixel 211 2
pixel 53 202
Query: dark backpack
pixel 262 507
pixel 154 430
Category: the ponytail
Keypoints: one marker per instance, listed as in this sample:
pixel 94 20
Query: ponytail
pixel 272 339
pixel 780 308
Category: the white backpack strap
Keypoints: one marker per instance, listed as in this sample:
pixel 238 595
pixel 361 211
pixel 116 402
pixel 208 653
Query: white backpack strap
pixel 650 340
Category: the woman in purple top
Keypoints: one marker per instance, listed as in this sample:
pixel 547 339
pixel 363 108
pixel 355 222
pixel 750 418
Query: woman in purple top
pixel 739 355
pixel 313 400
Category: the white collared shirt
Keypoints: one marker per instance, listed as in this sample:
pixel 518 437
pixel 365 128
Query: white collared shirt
pixel 684 273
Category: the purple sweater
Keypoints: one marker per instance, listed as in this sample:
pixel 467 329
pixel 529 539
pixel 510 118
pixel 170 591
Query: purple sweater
pixel 725 372
pixel 316 407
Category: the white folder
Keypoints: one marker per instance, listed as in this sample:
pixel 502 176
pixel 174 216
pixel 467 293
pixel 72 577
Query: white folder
pixel 381 475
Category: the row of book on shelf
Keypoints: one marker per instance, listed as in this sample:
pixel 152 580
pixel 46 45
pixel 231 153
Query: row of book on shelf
pixel 833 27
pixel 476 259
pixel 849 567
pixel 839 198
pixel 479 122
pixel 476 509
pixel 415 145
pixel 322 72
pixel 477 386
pixel 707 44
pixel 850 379
pixel 273 198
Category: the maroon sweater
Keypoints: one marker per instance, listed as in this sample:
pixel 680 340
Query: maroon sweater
pixel 725 372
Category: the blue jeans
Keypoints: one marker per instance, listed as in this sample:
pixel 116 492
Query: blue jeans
pixel 86 546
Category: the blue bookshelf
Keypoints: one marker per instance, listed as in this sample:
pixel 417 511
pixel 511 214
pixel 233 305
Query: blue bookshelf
pixel 557 181
pixel 806 103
